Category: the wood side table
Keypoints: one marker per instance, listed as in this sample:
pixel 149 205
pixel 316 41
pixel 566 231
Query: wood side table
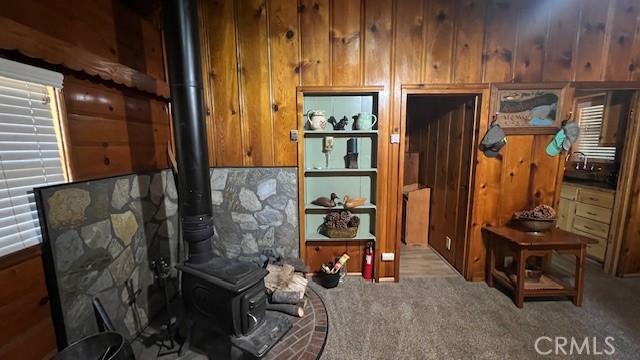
pixel 524 245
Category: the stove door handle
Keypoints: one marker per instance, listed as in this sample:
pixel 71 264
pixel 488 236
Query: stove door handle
pixel 255 320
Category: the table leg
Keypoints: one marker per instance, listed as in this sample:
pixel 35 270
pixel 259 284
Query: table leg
pixel 491 262
pixel 579 281
pixel 520 275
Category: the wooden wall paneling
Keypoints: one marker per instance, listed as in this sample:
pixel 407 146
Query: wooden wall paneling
pixel 531 40
pixel 39 45
pixel 624 24
pixel 284 40
pixel 626 243
pixel 469 41
pixel 500 36
pixel 377 49
pixel 454 173
pixel 106 28
pixel 319 253
pixel 542 183
pixel 516 172
pixel 314 42
pixel 407 62
pixel 486 196
pixel 559 57
pixel 377 42
pixel 255 81
pixel 439 17
pixel 634 63
pixel 430 161
pixel 112 131
pixel 356 254
pixel 227 142
pixel 589 64
pixel 27 331
pixel 207 79
pixel 470 111
pixel 346 42
pixel 438 225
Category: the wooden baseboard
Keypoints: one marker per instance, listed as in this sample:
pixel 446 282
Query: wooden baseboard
pixel 632 275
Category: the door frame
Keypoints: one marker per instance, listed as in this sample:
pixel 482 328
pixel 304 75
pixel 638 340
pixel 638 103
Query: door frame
pixel 483 91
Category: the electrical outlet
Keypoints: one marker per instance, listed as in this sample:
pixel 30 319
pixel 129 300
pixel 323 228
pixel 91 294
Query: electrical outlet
pixel 328 144
pixel 448 243
pixel 388 256
pixel 395 138
pixel 293 135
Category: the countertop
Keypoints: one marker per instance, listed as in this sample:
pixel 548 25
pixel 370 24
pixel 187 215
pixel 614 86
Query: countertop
pixel 590 185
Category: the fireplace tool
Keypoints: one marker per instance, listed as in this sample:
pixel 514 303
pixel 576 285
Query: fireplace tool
pixel 225 299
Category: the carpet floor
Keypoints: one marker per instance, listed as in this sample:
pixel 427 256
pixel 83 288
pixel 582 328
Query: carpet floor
pixel 449 318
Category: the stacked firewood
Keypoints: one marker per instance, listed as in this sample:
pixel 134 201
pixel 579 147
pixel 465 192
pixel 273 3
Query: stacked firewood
pixel 286 289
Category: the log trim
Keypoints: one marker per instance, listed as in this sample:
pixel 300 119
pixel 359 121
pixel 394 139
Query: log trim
pixel 35 44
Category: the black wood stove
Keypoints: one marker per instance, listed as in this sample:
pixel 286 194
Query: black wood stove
pixel 225 298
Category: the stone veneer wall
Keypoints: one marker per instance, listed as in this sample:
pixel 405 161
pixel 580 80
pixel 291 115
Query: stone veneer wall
pixel 103 235
pixel 255 212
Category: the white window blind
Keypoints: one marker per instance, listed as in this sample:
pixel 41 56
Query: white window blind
pixel 590 120
pixel 29 158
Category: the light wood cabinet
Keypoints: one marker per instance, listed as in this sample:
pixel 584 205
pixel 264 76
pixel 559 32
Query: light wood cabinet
pixel 566 212
pixel 587 211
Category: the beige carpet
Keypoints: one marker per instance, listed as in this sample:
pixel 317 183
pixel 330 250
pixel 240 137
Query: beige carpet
pixel 449 318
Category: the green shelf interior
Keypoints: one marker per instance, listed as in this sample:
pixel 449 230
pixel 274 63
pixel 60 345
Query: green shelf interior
pixel 322 178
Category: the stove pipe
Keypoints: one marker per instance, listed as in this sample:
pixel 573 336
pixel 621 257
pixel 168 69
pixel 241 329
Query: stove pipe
pixel 185 76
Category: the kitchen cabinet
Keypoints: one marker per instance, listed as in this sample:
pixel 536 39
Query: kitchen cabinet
pixel 587 211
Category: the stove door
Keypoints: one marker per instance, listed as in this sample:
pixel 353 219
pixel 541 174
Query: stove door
pixel 254 304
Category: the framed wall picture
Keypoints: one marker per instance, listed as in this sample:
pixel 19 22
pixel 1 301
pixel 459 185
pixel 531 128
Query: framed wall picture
pixel 528 108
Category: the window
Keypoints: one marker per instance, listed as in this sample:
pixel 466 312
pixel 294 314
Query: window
pixel 30 154
pixel 590 116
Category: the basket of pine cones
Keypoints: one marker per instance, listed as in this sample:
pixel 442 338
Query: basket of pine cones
pixel 340 224
pixel 539 219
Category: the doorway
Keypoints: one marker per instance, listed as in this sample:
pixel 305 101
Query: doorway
pixel 438 142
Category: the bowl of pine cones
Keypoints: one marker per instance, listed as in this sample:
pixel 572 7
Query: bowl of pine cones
pixel 539 219
pixel 340 224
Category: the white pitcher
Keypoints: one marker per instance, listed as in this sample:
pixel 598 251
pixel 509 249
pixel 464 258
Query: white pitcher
pixel 366 121
pixel 316 120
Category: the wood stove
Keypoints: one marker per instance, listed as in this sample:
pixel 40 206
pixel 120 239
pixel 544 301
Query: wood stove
pixel 224 298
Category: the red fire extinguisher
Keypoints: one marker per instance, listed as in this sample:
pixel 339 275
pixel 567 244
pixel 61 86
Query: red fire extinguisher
pixel 367 269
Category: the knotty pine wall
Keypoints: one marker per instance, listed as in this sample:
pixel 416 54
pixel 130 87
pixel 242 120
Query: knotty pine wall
pixel 257 51
pixel 111 129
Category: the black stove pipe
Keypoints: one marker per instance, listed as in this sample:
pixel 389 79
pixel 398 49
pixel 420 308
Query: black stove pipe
pixel 185 76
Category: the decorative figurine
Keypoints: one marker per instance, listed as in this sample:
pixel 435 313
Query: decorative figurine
pixel 365 121
pixel 325 201
pixel 316 120
pixel 351 159
pixel 353 202
pixel 339 125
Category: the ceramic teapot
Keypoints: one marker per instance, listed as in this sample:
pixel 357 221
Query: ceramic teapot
pixel 316 119
pixel 365 121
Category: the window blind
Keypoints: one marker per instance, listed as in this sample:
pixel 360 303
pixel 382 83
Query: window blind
pixel 590 128
pixel 29 158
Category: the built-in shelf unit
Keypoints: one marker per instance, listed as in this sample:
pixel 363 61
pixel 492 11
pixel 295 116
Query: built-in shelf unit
pixel 322 173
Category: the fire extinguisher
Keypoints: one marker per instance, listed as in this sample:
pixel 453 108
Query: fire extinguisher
pixel 367 269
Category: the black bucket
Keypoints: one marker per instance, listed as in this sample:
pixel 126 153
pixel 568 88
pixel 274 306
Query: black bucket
pixel 102 346
pixel 328 281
